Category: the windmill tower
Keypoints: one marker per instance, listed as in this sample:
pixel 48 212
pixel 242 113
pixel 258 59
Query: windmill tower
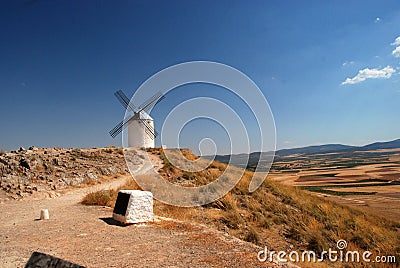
pixel 141 132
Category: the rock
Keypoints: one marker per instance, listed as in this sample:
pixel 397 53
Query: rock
pixel 39 259
pixel 91 176
pixel 104 171
pixel 56 161
pixel 24 163
pixel 73 181
pixel 47 168
pixel 133 206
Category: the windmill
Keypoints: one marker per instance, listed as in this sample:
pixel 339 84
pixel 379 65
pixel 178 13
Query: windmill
pixel 141 132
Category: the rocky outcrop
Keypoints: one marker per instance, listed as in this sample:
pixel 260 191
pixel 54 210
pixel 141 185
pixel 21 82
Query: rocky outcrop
pixel 24 172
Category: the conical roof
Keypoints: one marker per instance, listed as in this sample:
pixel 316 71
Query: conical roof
pixel 143 115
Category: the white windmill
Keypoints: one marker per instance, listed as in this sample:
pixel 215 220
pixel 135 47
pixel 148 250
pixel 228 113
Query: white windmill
pixel 141 132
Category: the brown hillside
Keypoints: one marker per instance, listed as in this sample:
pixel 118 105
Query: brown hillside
pixel 280 217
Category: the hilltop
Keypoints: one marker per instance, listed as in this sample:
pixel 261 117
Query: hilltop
pixel 88 236
pixel 278 216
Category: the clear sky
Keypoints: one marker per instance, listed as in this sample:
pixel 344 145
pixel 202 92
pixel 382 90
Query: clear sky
pixel 329 69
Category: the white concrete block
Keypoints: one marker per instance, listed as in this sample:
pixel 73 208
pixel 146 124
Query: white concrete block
pixel 134 206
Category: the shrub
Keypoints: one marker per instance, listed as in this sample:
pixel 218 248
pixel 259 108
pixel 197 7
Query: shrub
pixel 252 236
pixel 294 233
pixel 107 197
pixel 100 198
pixel 315 244
pixel 232 219
pixel 264 223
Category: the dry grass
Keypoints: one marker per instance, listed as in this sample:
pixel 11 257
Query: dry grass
pixel 100 198
pixel 107 197
pixel 278 215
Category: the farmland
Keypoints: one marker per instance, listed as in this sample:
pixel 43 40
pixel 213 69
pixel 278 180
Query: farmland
pixel 369 180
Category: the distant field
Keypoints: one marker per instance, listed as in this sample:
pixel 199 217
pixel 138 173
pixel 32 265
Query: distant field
pixel 369 180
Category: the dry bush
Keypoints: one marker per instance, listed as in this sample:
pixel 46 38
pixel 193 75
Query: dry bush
pixel 169 211
pixel 89 182
pixel 107 197
pixel 100 198
pixel 218 165
pixel 252 236
pixel 232 219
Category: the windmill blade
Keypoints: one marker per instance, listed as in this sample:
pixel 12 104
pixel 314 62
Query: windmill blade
pixel 119 127
pixel 123 99
pixel 150 130
pixel 153 100
pixel 147 130
pixel 116 130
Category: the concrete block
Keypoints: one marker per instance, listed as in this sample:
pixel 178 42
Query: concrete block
pixel 133 206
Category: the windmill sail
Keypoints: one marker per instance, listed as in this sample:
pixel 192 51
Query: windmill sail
pixel 123 99
pixel 153 100
pixel 120 126
pixel 148 128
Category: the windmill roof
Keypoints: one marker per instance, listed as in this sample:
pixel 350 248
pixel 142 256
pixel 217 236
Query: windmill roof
pixel 144 115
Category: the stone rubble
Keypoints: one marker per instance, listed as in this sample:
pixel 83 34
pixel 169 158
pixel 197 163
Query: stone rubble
pixel 26 171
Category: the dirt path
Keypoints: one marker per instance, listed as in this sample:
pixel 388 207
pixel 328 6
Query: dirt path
pixel 87 236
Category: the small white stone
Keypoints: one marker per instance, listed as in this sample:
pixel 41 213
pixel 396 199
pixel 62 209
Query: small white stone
pixel 44 214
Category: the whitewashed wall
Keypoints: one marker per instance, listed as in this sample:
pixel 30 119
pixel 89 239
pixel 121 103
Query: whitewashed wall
pixel 137 137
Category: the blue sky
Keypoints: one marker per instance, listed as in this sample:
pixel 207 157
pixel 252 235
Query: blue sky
pixel 61 61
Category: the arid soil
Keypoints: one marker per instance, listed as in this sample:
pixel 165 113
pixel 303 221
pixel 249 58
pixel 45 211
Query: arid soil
pixel 89 237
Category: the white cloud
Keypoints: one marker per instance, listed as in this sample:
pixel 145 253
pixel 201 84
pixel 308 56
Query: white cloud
pixel 396 42
pixel 370 74
pixel 396 52
pixel 347 63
